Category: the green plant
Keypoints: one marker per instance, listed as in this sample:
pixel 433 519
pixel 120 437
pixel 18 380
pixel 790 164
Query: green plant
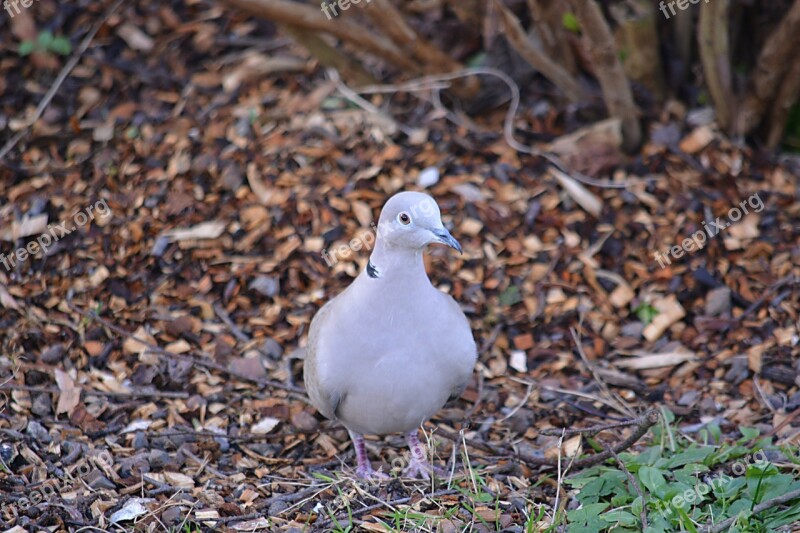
pixel 645 312
pixel 681 483
pixel 46 42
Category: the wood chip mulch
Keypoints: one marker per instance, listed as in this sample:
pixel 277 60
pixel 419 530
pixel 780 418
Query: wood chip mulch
pixel 220 162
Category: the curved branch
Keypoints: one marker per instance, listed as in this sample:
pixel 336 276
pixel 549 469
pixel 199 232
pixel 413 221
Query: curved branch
pixel 769 504
pixel 773 62
pixel 549 69
pixel 527 454
pixel 391 22
pixel 311 18
pixel 788 95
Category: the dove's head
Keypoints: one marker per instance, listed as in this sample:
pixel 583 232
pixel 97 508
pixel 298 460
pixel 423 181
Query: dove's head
pixel 412 220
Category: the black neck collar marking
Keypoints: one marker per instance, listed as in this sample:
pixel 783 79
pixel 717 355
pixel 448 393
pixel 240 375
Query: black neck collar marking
pixel 372 270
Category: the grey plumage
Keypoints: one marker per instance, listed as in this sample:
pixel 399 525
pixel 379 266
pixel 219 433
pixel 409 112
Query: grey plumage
pixel 388 352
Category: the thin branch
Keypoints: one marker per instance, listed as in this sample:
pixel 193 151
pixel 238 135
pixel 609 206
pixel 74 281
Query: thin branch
pixel 620 406
pixel 353 96
pixel 769 504
pixel 551 70
pixel 73 61
pixel 787 97
pixel 435 82
pixel 636 487
pixel 201 360
pixel 528 455
pixel 390 22
pixel 330 56
pixel 312 18
pixel 593 430
pixel 109 394
pixel 773 62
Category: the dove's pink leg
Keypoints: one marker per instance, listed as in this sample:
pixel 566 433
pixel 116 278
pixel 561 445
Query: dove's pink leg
pixel 419 467
pixel 364 469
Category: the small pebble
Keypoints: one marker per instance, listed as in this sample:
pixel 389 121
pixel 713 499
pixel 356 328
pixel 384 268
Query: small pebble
pixel 158 459
pixel 42 406
pixel 171 515
pixel 271 349
pixel 140 441
pixel 38 432
pixel 224 444
pixel 277 508
pixel 98 481
pixel 53 354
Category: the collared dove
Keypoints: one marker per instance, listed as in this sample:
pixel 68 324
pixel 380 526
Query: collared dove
pixel 388 352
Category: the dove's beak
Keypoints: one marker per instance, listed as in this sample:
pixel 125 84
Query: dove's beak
pixel 444 237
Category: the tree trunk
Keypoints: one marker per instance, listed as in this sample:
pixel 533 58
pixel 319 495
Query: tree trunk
pixel 715 56
pixel 616 90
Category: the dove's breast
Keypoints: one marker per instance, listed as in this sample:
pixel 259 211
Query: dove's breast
pixel 403 371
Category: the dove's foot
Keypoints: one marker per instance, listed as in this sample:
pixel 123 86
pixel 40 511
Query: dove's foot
pixel 422 470
pixel 419 466
pixel 364 469
pixel 370 474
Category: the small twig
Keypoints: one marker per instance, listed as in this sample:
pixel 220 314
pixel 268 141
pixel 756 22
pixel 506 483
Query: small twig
pixel 787 420
pixel 621 407
pixel 769 504
pixel 204 360
pixel 109 394
pixel 528 456
pixel 429 82
pixel 73 61
pixel 636 487
pixel 225 317
pixel 353 96
pixel 559 478
pixel 524 401
pixel 791 279
pixel 594 429
pixel 392 503
pixel 286 498
pixel 160 487
pixel 489 342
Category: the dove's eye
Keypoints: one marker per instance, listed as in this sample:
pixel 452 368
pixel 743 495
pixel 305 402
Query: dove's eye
pixel 404 218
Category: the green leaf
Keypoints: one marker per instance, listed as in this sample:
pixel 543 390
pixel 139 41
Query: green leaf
pixel 646 313
pixel 26 48
pixel 637 506
pixel 510 296
pixel 477 60
pixel 748 433
pixel 652 478
pixel 686 521
pixel 715 431
pixel 620 517
pixel 45 38
pixel 690 456
pixel 61 45
pixel 570 22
